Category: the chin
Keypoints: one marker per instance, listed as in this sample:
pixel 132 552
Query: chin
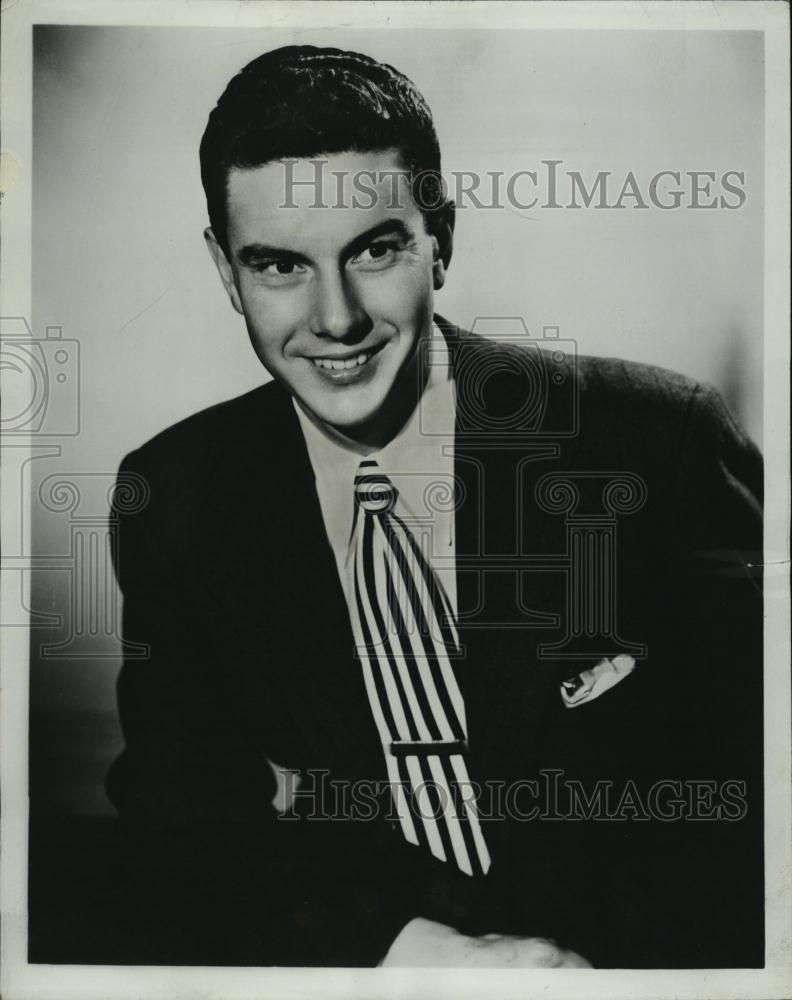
pixel 349 420
pixel 350 406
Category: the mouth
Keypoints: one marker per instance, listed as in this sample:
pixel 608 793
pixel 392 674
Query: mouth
pixel 343 364
pixel 346 369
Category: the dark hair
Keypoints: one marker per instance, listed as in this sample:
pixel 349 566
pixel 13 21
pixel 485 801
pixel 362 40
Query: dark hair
pixel 300 101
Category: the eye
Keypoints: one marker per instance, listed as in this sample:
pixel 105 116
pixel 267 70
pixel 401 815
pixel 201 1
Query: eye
pixel 379 254
pixel 280 271
pixel 377 250
pixel 283 267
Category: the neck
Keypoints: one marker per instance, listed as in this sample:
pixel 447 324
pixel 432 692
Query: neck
pixel 375 434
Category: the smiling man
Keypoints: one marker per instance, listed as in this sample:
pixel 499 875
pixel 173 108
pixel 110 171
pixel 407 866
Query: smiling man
pixel 396 708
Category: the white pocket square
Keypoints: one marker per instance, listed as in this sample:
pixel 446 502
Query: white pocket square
pixel 592 683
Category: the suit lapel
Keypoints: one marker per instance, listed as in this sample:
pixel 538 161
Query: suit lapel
pixel 504 614
pixel 505 685
pixel 299 622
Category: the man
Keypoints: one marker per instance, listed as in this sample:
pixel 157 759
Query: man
pixel 525 716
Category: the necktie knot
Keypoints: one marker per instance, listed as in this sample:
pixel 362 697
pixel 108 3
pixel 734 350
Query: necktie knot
pixel 374 492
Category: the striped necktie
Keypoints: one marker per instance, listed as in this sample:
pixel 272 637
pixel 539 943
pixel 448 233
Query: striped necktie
pixel 405 635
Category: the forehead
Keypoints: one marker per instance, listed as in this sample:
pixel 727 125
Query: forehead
pixel 321 203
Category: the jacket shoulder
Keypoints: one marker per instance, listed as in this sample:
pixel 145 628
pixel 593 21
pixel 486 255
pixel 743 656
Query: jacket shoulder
pixel 194 471
pixel 602 397
pixel 614 382
pixel 203 438
pixel 633 414
pixel 599 380
pixel 659 401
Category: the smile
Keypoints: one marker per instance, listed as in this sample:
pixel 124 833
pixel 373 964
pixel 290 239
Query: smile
pixel 331 364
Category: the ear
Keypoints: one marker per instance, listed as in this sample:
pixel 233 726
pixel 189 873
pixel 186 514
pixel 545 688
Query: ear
pixel 442 233
pixel 224 269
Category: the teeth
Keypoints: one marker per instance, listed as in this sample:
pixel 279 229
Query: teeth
pixel 338 366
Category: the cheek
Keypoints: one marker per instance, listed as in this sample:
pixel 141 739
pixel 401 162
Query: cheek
pixel 271 318
pixel 401 296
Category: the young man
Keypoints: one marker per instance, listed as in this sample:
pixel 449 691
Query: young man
pixel 493 606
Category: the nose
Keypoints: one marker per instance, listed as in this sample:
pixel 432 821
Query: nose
pixel 337 311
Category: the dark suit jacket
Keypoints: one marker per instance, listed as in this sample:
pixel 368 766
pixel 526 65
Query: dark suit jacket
pixel 229 579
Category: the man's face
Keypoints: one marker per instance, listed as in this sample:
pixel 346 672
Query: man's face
pixel 336 298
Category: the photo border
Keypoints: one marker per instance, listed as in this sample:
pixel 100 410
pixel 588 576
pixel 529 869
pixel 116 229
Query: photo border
pixel 21 981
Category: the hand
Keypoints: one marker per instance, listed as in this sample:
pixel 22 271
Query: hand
pixel 427 944
pixel 505 951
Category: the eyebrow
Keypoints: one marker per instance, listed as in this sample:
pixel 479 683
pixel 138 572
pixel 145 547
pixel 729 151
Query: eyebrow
pixel 254 253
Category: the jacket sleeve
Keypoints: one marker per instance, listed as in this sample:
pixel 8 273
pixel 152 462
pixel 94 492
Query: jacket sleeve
pixel 215 876
pixel 720 601
pixel 699 882
pixel 720 490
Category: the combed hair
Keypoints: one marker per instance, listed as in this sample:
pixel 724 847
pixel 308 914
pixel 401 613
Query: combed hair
pixel 300 101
